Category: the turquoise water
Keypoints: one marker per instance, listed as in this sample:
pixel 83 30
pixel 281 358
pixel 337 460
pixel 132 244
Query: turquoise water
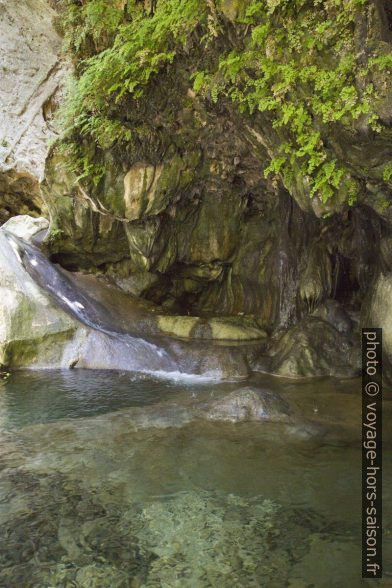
pixel 32 397
pixel 110 480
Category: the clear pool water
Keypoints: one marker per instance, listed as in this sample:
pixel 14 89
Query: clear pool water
pixel 97 491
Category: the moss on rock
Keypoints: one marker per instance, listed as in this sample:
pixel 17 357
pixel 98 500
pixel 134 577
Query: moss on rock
pixel 218 329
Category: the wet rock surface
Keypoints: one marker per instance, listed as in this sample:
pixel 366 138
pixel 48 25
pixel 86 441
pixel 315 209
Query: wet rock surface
pixel 33 330
pixel 119 331
pixel 25 226
pixel 87 329
pixel 314 347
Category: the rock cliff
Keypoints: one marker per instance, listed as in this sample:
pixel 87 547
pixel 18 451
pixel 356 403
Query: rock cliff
pixel 158 184
pixel 31 81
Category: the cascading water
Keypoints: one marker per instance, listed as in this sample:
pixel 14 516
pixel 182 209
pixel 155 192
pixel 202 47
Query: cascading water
pixel 86 310
pixel 134 343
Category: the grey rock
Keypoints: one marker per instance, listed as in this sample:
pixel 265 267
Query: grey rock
pixel 333 313
pixel 248 404
pixel 26 227
pixel 32 73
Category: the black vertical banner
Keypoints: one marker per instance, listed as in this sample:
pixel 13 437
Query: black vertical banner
pixel 371 453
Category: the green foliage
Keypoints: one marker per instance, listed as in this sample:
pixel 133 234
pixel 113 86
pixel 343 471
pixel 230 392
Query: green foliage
pixel 55 235
pixel 387 174
pixel 295 61
pixel 90 26
pixel 299 66
pixel 381 62
pixel 139 46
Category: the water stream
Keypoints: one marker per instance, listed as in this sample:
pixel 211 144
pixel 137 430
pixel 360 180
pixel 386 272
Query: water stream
pixel 98 490
pixel 127 335
pixel 121 479
pixel 84 308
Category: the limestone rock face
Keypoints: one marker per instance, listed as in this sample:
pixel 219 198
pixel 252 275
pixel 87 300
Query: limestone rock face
pixel 148 189
pixel 222 328
pixel 313 347
pixel 377 312
pixel 140 187
pixel 31 79
pixel 19 194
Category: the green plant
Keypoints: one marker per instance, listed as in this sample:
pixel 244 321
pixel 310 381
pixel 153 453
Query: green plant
pixel 387 173
pixel 294 61
pixel 90 27
pixel 141 45
pixel 298 65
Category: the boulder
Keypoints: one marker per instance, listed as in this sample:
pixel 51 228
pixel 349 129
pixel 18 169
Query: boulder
pixel 25 226
pixel 248 404
pixel 313 347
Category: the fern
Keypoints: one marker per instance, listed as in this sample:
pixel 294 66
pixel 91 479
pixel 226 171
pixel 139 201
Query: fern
pixel 130 48
pixel 300 64
pixel 296 62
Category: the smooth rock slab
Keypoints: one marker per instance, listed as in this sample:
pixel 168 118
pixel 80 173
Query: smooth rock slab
pixel 32 330
pixel 218 329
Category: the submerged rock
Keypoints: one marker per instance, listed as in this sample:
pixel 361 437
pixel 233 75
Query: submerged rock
pixel 98 501
pixel 248 404
pixel 98 575
pixel 191 538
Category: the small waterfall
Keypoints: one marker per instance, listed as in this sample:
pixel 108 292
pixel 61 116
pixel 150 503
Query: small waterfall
pixel 135 344
pixel 127 346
